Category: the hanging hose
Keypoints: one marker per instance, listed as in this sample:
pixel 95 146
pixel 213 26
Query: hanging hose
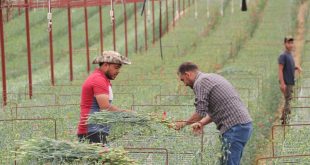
pixel 49 17
pixel 208 10
pixel 160 32
pixel 244 6
pixel 112 12
pixel 143 7
pixel 232 6
pixel 196 13
pixel 161 49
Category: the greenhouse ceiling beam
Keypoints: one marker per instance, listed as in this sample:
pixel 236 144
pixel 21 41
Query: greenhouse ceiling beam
pixel 65 3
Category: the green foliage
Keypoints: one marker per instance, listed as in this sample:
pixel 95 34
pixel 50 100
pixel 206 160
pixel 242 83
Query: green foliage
pixel 63 152
pixel 106 117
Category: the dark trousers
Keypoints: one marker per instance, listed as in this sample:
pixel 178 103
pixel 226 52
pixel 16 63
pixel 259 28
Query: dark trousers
pixel 93 137
pixel 288 98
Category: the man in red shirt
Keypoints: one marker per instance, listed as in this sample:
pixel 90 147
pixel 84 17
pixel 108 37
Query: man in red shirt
pixel 97 95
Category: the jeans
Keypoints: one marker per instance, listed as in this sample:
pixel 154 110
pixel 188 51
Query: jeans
pixel 233 142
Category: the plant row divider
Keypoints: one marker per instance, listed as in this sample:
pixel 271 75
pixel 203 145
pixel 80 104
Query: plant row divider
pixel 283 126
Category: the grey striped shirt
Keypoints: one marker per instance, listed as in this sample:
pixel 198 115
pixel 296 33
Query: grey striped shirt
pixel 215 96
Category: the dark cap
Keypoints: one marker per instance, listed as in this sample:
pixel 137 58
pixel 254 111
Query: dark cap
pixel 288 38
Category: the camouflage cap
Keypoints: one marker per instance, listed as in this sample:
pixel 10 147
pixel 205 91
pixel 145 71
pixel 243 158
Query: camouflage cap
pixel 111 57
pixel 288 38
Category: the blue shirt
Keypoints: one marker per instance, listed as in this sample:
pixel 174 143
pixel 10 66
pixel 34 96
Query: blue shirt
pixel 287 60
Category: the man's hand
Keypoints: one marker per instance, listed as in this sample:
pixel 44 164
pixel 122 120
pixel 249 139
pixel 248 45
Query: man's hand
pixel 125 110
pixel 298 68
pixel 197 128
pixel 179 125
pixel 128 111
pixel 283 88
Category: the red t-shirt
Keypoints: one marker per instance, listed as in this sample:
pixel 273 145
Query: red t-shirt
pixel 96 83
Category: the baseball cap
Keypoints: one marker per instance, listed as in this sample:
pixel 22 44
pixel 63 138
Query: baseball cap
pixel 111 57
pixel 288 38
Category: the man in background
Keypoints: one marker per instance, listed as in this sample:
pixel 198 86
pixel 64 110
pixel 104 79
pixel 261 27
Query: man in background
pixel 286 74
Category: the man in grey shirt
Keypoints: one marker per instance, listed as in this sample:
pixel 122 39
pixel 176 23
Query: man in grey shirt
pixel 217 101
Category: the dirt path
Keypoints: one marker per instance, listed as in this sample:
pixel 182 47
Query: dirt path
pixel 300 33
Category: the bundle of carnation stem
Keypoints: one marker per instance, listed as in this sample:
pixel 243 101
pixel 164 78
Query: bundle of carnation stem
pixel 110 118
pixel 52 151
